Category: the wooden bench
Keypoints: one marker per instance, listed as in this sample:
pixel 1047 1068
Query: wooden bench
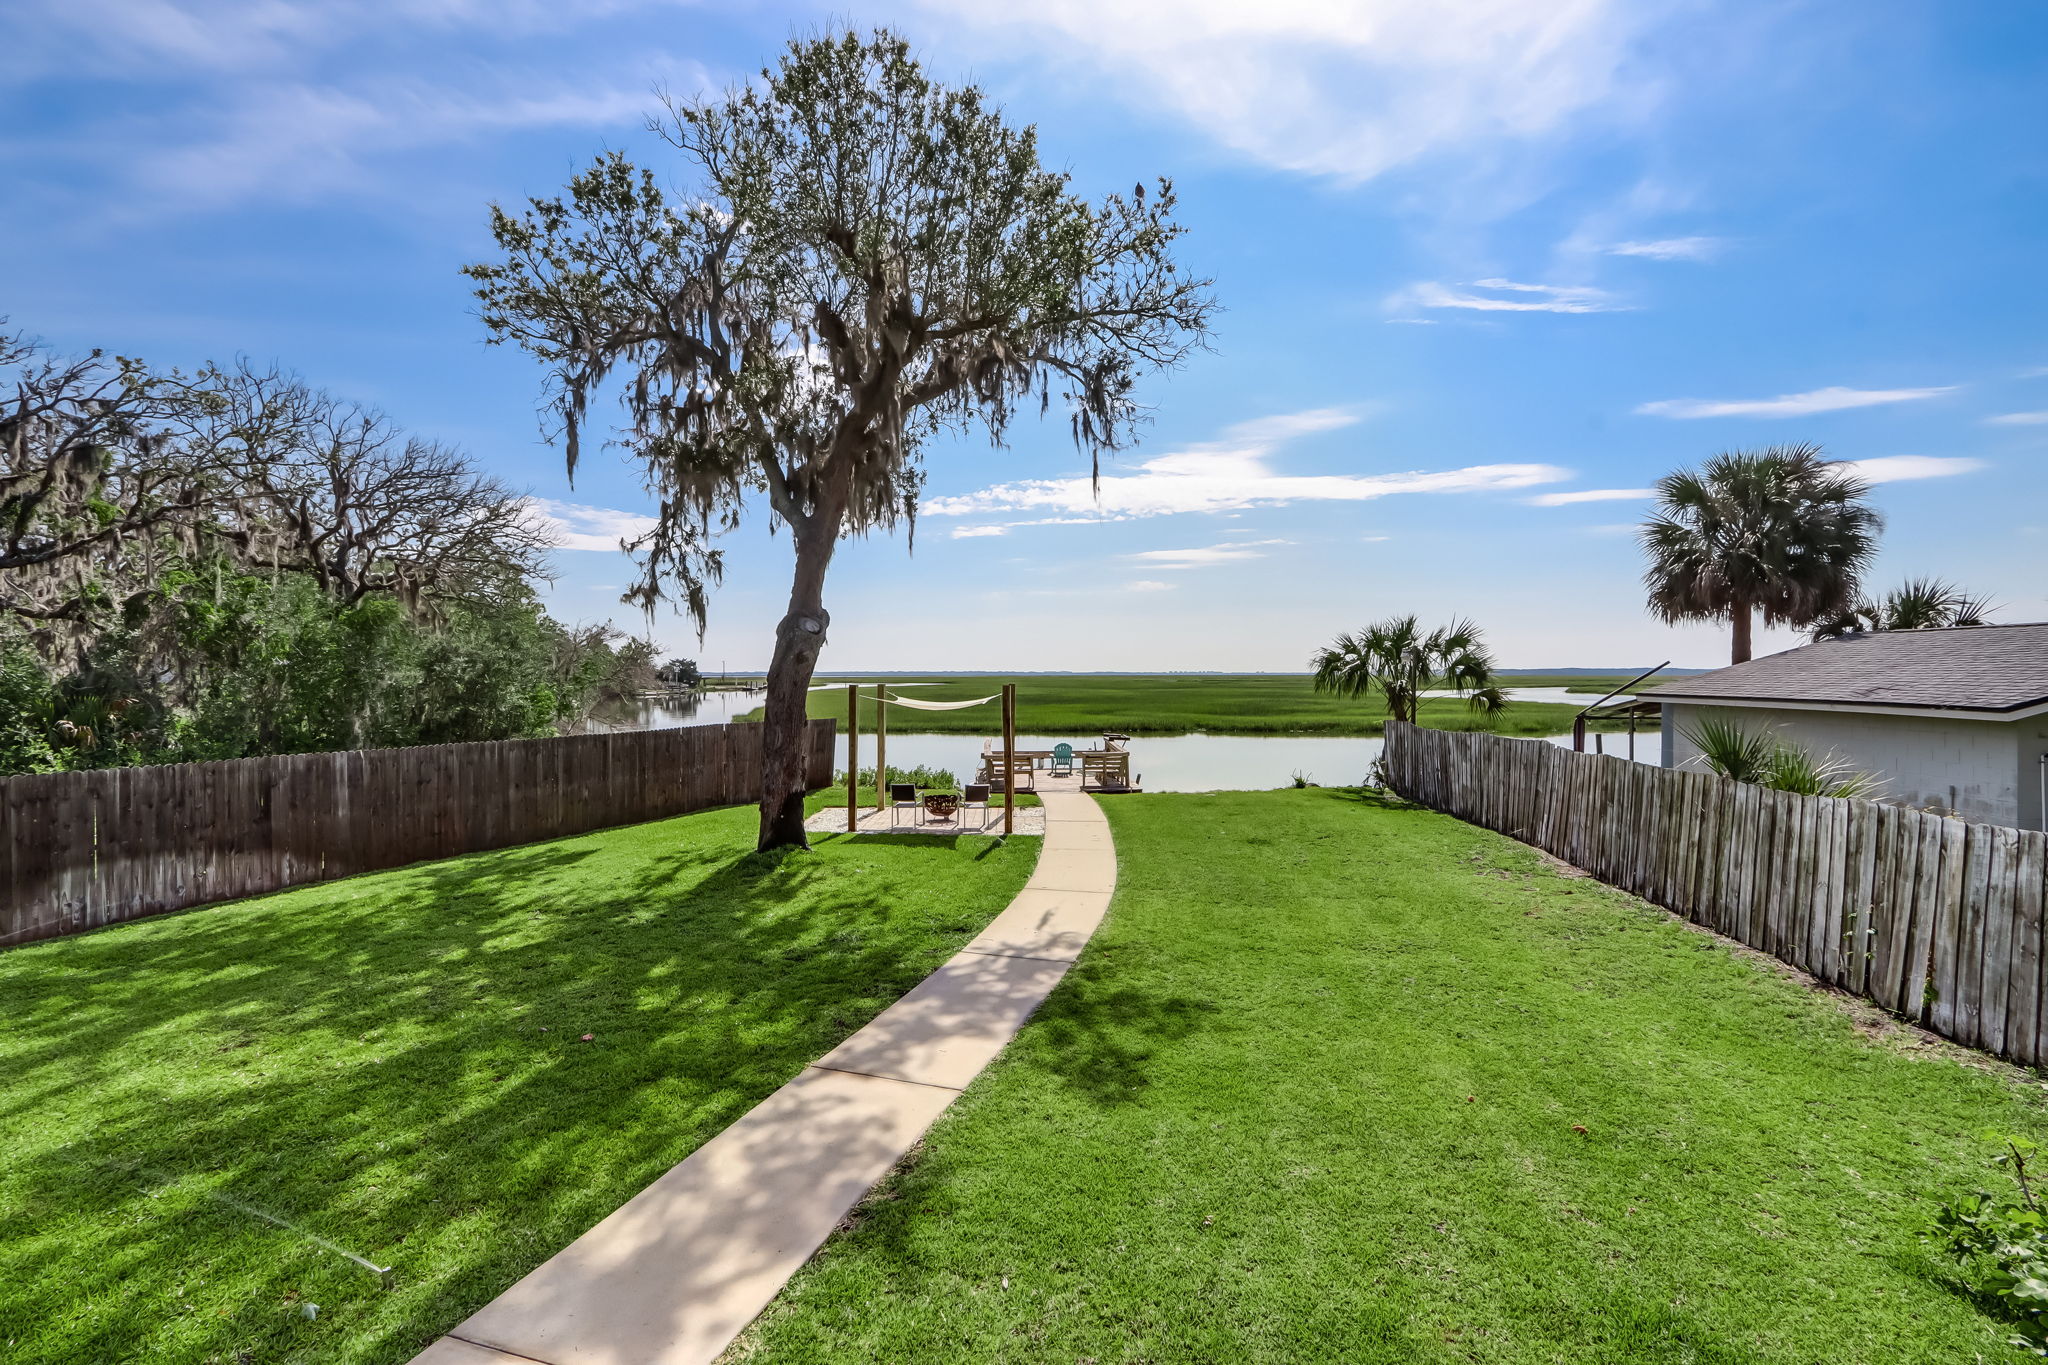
pixel 1109 770
pixel 1024 768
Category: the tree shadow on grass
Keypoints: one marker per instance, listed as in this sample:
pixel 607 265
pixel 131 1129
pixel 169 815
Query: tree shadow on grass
pixel 1372 798
pixel 1097 1034
pixel 396 1064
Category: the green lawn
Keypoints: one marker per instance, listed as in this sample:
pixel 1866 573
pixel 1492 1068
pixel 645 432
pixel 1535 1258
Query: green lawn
pixel 1179 704
pixel 1349 1083
pixel 395 1064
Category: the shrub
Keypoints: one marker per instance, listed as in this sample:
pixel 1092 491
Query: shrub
pixel 2005 1240
pixel 1766 760
pixel 920 776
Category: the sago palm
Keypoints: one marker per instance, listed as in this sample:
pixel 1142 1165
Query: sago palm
pixel 1402 662
pixel 1783 531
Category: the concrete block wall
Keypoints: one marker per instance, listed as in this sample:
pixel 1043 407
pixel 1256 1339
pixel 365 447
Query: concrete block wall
pixel 1970 767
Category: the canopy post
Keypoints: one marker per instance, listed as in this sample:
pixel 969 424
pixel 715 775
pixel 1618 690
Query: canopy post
pixel 881 746
pixel 1009 758
pixel 852 757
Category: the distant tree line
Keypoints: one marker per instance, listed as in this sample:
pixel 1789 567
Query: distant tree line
pixel 231 562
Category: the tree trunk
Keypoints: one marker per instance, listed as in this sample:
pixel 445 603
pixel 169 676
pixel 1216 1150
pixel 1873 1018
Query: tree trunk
pixel 1739 615
pixel 785 723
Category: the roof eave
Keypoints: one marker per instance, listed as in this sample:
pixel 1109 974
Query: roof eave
pixel 2018 711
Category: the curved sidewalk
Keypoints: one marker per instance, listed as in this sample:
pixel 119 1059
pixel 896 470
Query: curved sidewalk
pixel 677 1271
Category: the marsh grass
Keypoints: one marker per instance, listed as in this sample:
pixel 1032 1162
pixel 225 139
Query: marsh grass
pixel 1179 704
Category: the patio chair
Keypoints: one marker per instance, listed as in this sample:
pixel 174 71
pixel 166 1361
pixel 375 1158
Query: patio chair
pixel 903 794
pixel 975 794
pixel 1063 760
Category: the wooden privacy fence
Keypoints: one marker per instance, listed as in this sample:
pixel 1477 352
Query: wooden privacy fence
pixel 83 849
pixel 1933 919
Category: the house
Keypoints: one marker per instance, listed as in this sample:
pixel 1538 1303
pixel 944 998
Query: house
pixel 1952 720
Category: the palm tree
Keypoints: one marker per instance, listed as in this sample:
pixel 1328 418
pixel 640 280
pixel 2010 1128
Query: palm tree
pixel 1916 604
pixel 1397 658
pixel 1783 530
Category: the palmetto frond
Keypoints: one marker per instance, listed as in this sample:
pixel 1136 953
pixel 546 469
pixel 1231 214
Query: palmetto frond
pixel 1916 604
pixel 1783 531
pixel 1396 657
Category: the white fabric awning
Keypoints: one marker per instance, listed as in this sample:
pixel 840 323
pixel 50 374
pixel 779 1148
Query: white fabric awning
pixel 916 705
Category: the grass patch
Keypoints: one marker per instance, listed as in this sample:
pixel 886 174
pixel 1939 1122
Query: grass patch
pixel 1339 1081
pixel 1180 704
pixel 395 1064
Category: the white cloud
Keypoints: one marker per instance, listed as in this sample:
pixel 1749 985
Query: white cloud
pixel 578 526
pixel 1834 399
pixel 1205 556
pixel 1347 90
pixel 1231 473
pixel 233 100
pixel 303 141
pixel 1897 468
pixel 148 38
pixel 971 532
pixel 2018 419
pixel 1507 296
pixel 1673 248
pixel 1590 495
pixel 1147 585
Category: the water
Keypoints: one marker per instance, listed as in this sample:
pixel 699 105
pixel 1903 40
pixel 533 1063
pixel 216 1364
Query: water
pixel 1160 763
pixel 672 713
pixel 1203 763
pixel 1560 696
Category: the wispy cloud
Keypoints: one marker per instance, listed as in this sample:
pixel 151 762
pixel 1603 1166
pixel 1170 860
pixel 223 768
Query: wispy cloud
pixel 150 37
pixel 1590 495
pixel 973 532
pixel 305 141
pixel 1673 248
pixel 1205 556
pixel 1835 399
pixel 1506 296
pixel 579 526
pixel 1898 468
pixel 1148 585
pixel 2018 419
pixel 299 100
pixel 1342 90
pixel 1231 473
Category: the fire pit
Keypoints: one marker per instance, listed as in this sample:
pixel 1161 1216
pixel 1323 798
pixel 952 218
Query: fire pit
pixel 941 805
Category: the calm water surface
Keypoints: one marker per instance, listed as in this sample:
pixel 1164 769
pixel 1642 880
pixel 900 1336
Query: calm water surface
pixel 1160 763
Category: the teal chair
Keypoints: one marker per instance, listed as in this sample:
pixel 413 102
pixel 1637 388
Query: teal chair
pixel 1063 760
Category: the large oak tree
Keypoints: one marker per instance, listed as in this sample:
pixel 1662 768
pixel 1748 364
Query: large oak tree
pixel 859 259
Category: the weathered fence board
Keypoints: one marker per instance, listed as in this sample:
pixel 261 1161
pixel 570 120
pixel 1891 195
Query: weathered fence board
pixel 79 850
pixel 1934 919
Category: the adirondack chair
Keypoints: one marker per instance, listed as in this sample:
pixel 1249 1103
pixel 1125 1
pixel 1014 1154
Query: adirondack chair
pixel 1062 760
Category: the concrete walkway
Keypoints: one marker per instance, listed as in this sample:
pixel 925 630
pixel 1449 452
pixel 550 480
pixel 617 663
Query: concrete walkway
pixel 682 1267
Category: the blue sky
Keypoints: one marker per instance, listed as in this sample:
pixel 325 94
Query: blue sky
pixel 1487 267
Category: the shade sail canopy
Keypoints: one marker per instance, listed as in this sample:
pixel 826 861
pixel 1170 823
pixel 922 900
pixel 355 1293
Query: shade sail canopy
pixel 916 705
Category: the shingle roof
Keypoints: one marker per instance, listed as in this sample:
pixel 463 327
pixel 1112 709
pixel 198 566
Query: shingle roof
pixel 1971 668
